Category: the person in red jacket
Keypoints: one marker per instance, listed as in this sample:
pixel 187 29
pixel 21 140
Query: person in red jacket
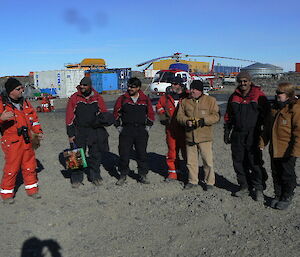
pixel 134 117
pixel 18 120
pixel 86 119
pixel 166 108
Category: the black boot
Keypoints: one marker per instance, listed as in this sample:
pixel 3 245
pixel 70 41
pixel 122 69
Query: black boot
pixel 274 201
pixel 144 180
pixel 243 192
pixel 121 181
pixel 284 203
pixel 258 195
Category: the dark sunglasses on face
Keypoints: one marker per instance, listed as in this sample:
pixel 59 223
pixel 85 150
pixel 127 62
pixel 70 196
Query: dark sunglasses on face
pixel 278 92
pixel 83 85
pixel 243 81
pixel 19 88
pixel 131 86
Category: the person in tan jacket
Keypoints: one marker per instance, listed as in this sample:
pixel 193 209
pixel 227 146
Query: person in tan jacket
pixel 197 114
pixel 284 137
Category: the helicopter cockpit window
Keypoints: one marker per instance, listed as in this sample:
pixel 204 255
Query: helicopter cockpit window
pixel 164 76
pixel 157 76
pixel 168 77
pixel 184 77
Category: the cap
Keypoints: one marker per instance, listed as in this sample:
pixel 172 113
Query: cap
pixel 11 84
pixel 86 81
pixel 197 84
pixel 177 80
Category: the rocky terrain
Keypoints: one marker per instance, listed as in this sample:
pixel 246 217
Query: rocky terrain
pixel 159 219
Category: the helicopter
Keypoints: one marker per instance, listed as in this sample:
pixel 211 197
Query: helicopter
pixel 163 78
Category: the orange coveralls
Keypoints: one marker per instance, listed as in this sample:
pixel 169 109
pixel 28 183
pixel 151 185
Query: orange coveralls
pixel 175 134
pixel 18 154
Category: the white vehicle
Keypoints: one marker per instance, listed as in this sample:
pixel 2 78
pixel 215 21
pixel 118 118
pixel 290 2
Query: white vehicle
pixel 163 79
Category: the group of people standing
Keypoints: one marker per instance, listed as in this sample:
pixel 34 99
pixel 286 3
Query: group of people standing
pixel 250 124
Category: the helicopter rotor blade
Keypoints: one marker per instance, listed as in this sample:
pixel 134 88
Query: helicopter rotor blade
pixel 155 59
pixel 148 65
pixel 222 57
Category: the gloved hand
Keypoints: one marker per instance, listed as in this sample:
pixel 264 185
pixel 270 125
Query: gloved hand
pixel 163 119
pixel 120 128
pixel 227 139
pixel 148 128
pixel 201 123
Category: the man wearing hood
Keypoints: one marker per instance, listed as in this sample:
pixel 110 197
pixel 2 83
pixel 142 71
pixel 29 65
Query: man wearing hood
pixel 246 113
pixel 18 120
pixel 166 109
pixel 86 117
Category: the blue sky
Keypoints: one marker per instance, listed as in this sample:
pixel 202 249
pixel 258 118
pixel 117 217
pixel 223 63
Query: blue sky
pixel 45 35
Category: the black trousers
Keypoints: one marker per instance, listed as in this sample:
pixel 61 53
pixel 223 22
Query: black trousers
pixel 284 176
pixel 137 137
pixel 247 160
pixel 94 159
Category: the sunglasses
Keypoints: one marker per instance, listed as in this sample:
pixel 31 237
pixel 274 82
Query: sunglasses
pixel 132 86
pixel 243 81
pixel 84 85
pixel 278 92
pixel 19 88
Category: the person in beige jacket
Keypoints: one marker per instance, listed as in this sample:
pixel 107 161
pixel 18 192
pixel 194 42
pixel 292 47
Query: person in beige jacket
pixel 284 137
pixel 197 114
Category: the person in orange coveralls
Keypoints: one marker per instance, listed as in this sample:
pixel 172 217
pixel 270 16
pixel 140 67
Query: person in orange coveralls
pixel 46 105
pixel 18 120
pixel 166 108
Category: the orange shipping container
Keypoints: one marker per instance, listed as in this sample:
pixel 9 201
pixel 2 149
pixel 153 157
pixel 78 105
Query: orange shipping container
pixel 298 67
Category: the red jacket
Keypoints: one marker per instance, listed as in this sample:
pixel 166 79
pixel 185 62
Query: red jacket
pixel 249 112
pixel 128 112
pixel 166 106
pixel 81 111
pixel 25 117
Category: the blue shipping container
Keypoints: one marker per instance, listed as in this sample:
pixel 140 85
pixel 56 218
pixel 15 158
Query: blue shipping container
pixel 123 75
pixel 104 81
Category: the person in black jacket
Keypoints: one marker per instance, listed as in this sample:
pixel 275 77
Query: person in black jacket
pixel 134 116
pixel 246 113
pixel 86 117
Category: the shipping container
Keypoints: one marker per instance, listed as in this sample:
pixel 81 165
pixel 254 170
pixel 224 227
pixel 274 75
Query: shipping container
pixel 62 83
pixel 107 82
pixel 297 67
pixel 104 81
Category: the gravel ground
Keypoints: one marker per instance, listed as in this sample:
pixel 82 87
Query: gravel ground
pixel 159 219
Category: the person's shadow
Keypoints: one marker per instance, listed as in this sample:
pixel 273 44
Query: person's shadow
pixel 34 247
pixel 157 164
pixel 220 182
pixel 224 183
pixel 19 179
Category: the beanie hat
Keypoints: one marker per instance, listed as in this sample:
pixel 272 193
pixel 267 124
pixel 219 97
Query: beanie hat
pixel 86 81
pixel 11 84
pixel 177 80
pixel 197 84
pixel 243 74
